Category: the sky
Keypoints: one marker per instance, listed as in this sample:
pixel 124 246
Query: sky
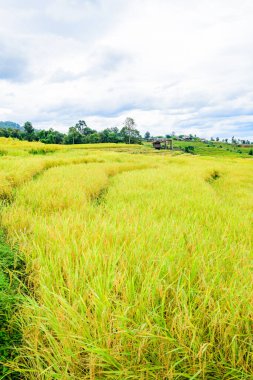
pixel 172 65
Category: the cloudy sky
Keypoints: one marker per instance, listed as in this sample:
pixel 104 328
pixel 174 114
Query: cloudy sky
pixel 172 65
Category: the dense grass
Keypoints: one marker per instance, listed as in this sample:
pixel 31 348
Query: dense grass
pixel 139 266
pixel 10 336
pixel 215 148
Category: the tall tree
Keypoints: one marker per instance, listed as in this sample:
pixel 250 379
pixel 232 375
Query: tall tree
pixel 80 126
pixel 129 127
pixel 29 131
pixel 147 135
pixel 28 127
pixel 129 133
pixel 83 129
pixel 73 137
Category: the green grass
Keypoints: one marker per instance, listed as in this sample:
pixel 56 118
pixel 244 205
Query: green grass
pixel 214 148
pixel 10 336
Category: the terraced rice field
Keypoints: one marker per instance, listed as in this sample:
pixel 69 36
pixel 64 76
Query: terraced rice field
pixel 136 266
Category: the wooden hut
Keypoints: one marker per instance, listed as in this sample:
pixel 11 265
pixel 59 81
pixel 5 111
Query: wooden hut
pixel 163 144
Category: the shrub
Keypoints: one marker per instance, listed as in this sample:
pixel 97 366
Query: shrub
pixel 10 336
pixel 41 151
pixel 189 149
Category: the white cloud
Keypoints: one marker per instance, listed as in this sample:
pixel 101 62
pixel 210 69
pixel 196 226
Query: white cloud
pixel 172 65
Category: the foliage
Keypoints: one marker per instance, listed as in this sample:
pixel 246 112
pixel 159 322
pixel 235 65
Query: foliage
pixel 128 129
pixel 10 336
pixel 41 151
pixel 78 134
pixel 28 128
pixel 129 133
pixel 189 149
pixel 81 134
pixel 109 135
pixel 83 129
pixel 49 137
pixel 147 135
pixel 213 149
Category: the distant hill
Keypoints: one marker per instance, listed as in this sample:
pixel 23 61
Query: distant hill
pixel 9 124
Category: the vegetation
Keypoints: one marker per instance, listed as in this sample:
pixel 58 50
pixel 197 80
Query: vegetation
pixel 138 266
pixel 10 336
pixel 210 148
pixel 189 149
pixel 78 134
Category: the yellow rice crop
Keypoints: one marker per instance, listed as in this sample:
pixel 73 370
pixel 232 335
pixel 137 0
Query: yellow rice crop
pixel 139 267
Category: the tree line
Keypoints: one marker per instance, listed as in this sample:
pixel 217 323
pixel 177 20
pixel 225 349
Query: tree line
pixel 80 133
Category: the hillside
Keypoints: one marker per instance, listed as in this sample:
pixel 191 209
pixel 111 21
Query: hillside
pixel 9 124
pixel 215 148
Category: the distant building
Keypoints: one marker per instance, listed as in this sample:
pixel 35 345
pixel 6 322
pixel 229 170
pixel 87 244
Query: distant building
pixel 163 144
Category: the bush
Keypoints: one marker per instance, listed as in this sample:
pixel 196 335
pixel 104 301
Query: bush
pixel 251 152
pixel 41 151
pixel 10 336
pixel 189 149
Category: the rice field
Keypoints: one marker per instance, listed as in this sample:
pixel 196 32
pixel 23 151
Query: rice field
pixel 137 266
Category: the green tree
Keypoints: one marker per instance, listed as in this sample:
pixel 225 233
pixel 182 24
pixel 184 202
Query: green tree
pixel 129 133
pixel 49 137
pixel 189 149
pixel 147 135
pixel 128 129
pixel 83 129
pixel 80 126
pixel 93 138
pixel 15 133
pixel 111 135
pixel 29 131
pixel 73 136
pixel 28 127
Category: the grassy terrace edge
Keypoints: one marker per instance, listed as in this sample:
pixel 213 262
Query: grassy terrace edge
pixel 11 269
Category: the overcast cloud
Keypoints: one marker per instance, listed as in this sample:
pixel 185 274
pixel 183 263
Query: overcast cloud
pixel 172 65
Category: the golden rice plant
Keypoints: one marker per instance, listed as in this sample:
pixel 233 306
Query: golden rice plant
pixel 139 267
